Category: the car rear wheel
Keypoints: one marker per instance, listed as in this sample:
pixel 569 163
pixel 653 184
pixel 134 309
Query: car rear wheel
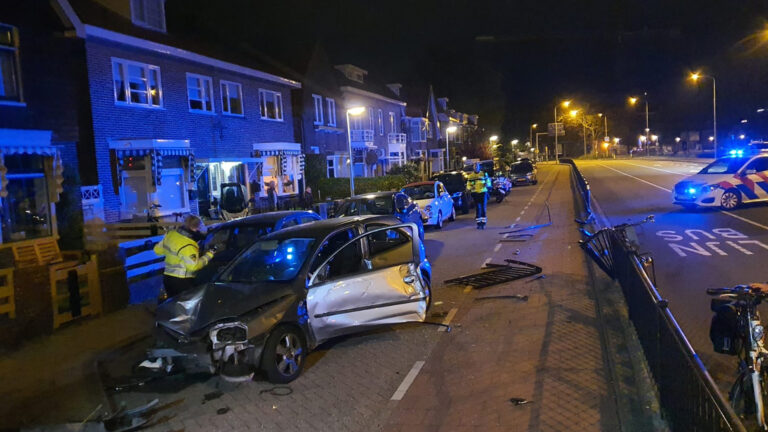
pixel 439 223
pixel 730 199
pixel 284 354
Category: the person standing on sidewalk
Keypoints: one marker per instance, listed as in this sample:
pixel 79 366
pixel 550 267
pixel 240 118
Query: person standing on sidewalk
pixel 271 196
pixel 478 184
pixel 182 255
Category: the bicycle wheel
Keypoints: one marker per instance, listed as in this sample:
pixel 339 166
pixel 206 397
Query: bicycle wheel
pixel 742 396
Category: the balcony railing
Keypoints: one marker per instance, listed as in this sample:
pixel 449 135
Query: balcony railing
pixel 396 139
pixel 362 136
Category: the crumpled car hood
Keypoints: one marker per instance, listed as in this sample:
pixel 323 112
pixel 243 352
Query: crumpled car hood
pixel 202 306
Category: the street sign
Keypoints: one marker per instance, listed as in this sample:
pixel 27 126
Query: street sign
pixel 560 129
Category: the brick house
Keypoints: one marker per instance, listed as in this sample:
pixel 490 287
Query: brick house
pixel 40 119
pixel 173 119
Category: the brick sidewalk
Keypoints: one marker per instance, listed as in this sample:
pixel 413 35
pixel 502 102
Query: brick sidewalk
pixel 548 350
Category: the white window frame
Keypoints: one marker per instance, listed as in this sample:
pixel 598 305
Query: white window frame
pixel 148 70
pixel 371 120
pixel 392 122
pixel 224 88
pixel 331 111
pixel 278 97
pixel 381 122
pixel 14 48
pixel 203 81
pixel 141 21
pixel 146 173
pixel 317 100
pixel 330 164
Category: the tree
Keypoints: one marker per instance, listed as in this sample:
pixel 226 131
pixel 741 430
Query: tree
pixel 589 124
pixel 504 152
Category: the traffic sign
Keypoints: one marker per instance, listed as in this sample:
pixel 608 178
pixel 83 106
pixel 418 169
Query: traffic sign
pixel 560 129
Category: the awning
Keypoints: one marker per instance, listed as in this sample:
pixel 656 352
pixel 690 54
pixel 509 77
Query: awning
pixel 155 148
pixel 276 149
pixel 29 141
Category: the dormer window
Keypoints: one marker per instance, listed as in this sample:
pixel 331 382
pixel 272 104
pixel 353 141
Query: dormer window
pixel 149 14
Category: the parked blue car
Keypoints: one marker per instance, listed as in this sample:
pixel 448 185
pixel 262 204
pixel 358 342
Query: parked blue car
pixel 383 203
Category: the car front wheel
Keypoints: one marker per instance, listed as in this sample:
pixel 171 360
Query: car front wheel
pixel 284 354
pixel 730 199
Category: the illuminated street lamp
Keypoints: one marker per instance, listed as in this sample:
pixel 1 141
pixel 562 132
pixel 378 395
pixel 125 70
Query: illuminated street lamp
pixel 696 76
pixel 742 136
pixel 574 113
pixel 654 138
pixel 354 111
pixel 448 131
pixel 494 138
pixel 677 139
pixel 632 101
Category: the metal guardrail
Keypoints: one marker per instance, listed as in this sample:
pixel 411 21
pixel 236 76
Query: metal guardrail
pixel 690 399
pixel 583 186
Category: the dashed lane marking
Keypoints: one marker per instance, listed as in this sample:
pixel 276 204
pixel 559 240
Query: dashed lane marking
pixel 487 260
pixel 449 317
pixel 657 169
pixel 498 246
pixel 741 218
pixel 409 379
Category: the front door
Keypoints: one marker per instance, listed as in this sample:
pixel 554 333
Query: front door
pixel 370 281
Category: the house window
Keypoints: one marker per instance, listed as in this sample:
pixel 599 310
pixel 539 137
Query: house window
pixel 331 111
pixel 200 93
pixel 149 13
pixel 26 209
pixel 381 123
pixel 417 132
pixel 136 84
pixel 371 120
pixel 135 194
pixel 283 171
pixel 271 105
pixel 231 98
pixel 318 101
pixel 10 88
pixel 331 167
pixel 314 150
pixel 423 130
pixel 392 122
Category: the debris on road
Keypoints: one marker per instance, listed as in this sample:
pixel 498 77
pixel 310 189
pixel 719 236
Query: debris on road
pixel 278 391
pixel 500 273
pixel 519 401
pixel 541 276
pixel 514 297
pixel 223 410
pixel 212 396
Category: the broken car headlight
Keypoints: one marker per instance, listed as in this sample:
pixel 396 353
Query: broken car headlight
pixel 758 333
pixel 229 333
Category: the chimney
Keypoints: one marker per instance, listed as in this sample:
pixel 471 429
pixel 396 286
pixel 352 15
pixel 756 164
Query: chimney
pixel 395 87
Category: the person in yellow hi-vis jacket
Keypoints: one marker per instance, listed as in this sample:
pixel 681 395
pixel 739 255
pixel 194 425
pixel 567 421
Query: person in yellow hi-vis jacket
pixel 182 255
pixel 478 184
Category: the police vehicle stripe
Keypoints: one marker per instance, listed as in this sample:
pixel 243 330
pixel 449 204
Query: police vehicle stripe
pixel 746 191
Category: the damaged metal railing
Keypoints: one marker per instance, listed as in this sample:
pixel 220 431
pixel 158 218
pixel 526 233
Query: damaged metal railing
pixel 690 399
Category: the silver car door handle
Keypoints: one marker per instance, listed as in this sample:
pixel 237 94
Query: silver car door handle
pixel 409 279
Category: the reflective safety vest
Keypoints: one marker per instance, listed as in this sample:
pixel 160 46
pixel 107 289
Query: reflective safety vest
pixel 478 182
pixel 181 255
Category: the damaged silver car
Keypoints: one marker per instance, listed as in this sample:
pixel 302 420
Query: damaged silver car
pixel 289 292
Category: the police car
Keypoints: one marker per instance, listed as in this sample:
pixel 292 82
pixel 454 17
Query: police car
pixel 726 183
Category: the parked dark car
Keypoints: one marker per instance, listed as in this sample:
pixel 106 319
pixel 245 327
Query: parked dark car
pixel 456 184
pixel 523 172
pixel 230 238
pixel 290 291
pixel 383 203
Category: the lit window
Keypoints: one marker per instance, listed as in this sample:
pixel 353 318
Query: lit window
pixel 318 101
pixel 136 190
pixel 231 98
pixel 200 93
pixel 371 120
pixel 10 88
pixel 381 123
pixel 149 13
pixel 331 111
pixel 271 105
pixel 136 84
pixel 391 122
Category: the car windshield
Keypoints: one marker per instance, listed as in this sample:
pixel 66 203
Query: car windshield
pixel 521 168
pixel 382 205
pixel 270 260
pixel 453 182
pixel 727 165
pixel 420 192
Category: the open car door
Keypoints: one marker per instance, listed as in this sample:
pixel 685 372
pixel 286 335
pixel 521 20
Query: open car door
pixel 374 279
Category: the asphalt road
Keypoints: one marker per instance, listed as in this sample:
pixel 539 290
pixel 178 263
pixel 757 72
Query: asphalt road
pixel 692 249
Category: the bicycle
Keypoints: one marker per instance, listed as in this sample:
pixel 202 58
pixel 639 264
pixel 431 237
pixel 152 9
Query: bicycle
pixel 736 330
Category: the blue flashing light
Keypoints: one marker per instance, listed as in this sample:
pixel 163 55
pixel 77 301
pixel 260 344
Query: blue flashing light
pixel 289 249
pixel 735 152
pixel 289 256
pixel 691 191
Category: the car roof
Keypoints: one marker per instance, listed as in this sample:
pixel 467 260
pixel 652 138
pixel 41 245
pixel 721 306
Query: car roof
pixel 371 195
pixel 270 217
pixel 322 228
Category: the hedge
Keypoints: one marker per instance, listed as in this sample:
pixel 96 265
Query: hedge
pixel 336 188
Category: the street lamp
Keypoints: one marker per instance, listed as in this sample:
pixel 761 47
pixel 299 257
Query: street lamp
pixel 354 111
pixel 632 101
pixel 448 131
pixel 565 104
pixel 695 76
pixel 530 132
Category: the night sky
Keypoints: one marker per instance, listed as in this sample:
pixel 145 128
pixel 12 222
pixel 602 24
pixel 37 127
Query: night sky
pixel 511 61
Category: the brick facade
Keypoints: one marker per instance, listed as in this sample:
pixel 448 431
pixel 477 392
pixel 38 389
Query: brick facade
pixel 210 135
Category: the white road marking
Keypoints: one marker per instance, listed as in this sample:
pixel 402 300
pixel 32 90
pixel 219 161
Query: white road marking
pixel 517 220
pixel 400 392
pixel 487 260
pixel 522 212
pixel 741 218
pixel 657 169
pixel 449 317
pixel 498 246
